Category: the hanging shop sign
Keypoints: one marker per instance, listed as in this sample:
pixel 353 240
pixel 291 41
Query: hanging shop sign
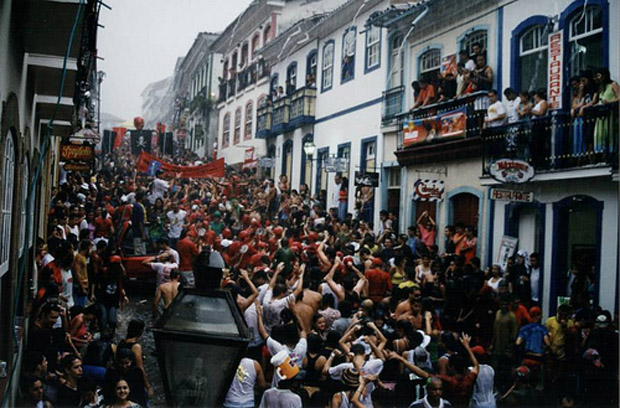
pixel 511 171
pixel 366 179
pixel 500 194
pixel 336 164
pixel 76 152
pixel 554 71
pixel 449 124
pixel 507 248
pixel 76 166
pixel 428 190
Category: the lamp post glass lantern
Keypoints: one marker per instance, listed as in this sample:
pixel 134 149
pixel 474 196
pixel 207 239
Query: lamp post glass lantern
pixel 200 342
pixel 309 149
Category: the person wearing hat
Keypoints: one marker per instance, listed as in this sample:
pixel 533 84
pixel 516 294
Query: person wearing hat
pixel 282 395
pixel 216 225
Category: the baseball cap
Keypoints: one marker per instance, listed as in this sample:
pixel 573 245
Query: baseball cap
pixel 535 311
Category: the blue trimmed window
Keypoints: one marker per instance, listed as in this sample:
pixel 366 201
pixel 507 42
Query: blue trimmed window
pixel 477 36
pixel 291 78
pixel 533 54
pixel 311 64
pixel 429 64
pixel 347 71
pixel 585 38
pixel 327 67
pixel 396 61
pixel 372 49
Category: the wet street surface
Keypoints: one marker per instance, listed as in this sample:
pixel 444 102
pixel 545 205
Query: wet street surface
pixel 141 296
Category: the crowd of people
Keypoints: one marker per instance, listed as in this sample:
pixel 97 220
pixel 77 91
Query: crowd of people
pixel 342 312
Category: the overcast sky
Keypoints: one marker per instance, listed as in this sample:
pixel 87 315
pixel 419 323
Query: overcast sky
pixel 143 38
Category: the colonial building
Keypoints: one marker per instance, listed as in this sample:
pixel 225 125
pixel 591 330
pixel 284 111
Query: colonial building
pixel 244 81
pixel 195 92
pixel 329 70
pixel 448 158
pixel 47 87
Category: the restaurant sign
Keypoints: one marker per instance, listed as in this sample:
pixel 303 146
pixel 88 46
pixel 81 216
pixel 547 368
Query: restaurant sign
pixel 511 171
pixel 76 152
pixel 428 190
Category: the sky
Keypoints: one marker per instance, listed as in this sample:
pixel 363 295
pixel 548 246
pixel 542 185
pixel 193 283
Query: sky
pixel 142 40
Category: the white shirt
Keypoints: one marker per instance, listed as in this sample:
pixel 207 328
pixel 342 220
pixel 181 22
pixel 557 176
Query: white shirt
pixel 251 319
pixel 275 398
pixel 297 354
pixel 272 309
pixel 534 279
pixel 67 286
pixel 493 112
pixel 176 223
pixel 373 366
pixel 159 188
pixel 241 391
pixel 483 396
pixel 163 271
pixel 511 109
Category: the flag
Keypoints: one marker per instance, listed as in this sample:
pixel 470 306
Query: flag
pixel 249 162
pixel 118 139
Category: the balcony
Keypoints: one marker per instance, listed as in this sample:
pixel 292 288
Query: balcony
pixel 263 121
pixel 232 85
pixel 392 104
pixel 442 131
pixel 558 142
pixel 302 107
pixel 223 90
pixel 281 109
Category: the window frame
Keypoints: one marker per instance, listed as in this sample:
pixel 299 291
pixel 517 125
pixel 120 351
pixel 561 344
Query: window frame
pixel 9 155
pixel 470 37
pixel 393 54
pixel 249 120
pixel 309 66
pixel 226 131
pixel 368 46
pixel 542 45
pixel 434 51
pixel 327 68
pixel 291 72
pixel 353 32
pixel 237 129
pixel 588 17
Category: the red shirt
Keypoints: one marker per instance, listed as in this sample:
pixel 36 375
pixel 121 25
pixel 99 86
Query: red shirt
pixel 428 236
pixel 103 227
pixel 188 251
pixel 379 283
pixel 458 388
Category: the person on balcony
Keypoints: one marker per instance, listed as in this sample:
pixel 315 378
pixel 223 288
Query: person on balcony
pixel 606 126
pixel 496 112
pixel 426 96
pixel 465 67
pixel 540 140
pixel 482 76
pixel 511 103
pixel 585 97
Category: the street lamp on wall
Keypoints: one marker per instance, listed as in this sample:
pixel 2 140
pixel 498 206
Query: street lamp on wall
pixel 309 149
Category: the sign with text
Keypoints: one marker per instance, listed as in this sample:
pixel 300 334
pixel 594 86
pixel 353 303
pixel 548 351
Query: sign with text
pixel 449 124
pixel 75 152
pixel 366 179
pixel 507 248
pixel 512 195
pixel 511 171
pixel 554 71
pixel 336 164
pixel 428 190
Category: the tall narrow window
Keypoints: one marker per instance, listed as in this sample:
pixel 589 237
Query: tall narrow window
pixel 328 66
pixel 249 115
pixel 8 185
pixel 533 58
pixel 373 48
pixel 311 69
pixel 244 55
pixel 23 204
pixel 430 64
pixel 585 34
pixel 396 62
pixel 237 135
pixel 348 55
pixel 226 131
pixel 267 34
pixel 255 44
pixel 291 78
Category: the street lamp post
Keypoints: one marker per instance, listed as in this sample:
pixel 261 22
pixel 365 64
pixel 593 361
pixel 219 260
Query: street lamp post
pixel 100 76
pixel 309 149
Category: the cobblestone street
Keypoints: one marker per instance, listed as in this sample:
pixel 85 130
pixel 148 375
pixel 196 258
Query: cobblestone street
pixel 141 298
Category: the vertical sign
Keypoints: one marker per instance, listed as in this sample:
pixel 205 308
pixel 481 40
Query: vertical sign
pixel 554 71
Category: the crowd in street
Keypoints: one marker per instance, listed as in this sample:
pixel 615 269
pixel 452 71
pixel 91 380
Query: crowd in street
pixel 342 312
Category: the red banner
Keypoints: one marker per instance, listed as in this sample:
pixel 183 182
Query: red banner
pixel 213 169
pixel 120 134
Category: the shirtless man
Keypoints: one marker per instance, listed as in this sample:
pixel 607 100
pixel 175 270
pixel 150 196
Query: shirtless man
pixel 168 291
pixel 410 309
pixel 307 306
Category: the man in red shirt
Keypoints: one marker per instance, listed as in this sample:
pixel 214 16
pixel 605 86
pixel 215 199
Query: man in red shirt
pixel 426 225
pixel 104 228
pixel 188 251
pixel 426 95
pixel 379 283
